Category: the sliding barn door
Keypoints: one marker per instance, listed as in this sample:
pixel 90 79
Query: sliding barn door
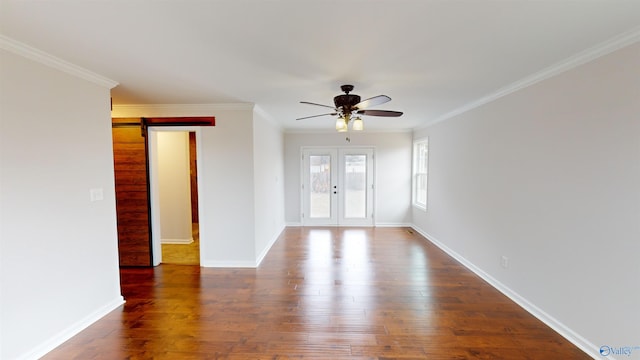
pixel 132 201
pixel 130 156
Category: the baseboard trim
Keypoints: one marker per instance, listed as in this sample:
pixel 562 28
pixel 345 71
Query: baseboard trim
pixel 269 246
pixel 573 337
pixel 72 330
pixel 245 264
pixel 176 241
pixel 298 224
pixel 401 225
pixel 229 264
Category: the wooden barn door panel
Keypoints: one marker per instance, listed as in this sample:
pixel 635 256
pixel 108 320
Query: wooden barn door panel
pixel 132 201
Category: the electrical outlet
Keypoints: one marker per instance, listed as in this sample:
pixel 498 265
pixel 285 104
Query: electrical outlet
pixel 504 261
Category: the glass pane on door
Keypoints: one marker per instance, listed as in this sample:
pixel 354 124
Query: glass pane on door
pixel 355 186
pixel 320 186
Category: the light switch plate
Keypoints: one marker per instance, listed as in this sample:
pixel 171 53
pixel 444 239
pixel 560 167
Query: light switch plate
pixel 504 261
pixel 96 194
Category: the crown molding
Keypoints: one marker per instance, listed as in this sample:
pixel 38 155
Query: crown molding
pixel 618 42
pixel 160 110
pixel 34 54
pixel 260 111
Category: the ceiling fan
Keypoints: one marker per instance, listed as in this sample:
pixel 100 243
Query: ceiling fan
pixel 348 108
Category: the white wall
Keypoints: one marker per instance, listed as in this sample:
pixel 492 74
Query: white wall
pixel 392 167
pixel 549 176
pixel 228 235
pixel 268 157
pixel 174 186
pixel 58 250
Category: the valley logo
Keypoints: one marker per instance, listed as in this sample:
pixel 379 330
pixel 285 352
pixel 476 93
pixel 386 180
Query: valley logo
pixel 606 350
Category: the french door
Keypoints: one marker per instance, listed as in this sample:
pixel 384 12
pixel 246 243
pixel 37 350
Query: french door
pixel 337 186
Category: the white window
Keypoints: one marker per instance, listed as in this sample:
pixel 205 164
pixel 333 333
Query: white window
pixel 420 167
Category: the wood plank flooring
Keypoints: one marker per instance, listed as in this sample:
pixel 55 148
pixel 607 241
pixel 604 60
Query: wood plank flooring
pixel 320 293
pixel 183 254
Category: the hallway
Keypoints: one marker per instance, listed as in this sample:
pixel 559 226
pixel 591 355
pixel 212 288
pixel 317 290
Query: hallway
pixel 183 254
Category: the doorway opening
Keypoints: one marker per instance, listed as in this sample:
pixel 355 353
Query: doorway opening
pixel 174 196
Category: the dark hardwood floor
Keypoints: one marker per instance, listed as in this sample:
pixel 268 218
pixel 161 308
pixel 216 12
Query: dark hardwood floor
pixel 320 293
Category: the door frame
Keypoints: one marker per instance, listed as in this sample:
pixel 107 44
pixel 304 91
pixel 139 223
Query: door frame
pixel 338 150
pixel 154 193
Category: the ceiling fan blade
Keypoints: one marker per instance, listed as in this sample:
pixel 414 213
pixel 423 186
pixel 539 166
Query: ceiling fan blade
pixel 310 103
pixel 376 100
pixel 312 116
pixel 387 113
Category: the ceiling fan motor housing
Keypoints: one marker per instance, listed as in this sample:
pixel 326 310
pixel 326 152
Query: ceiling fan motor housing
pixel 346 101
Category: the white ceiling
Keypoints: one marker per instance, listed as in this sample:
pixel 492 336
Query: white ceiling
pixel 432 58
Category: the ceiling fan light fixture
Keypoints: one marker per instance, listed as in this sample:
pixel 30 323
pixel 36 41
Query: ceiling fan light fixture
pixel 358 124
pixel 349 106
